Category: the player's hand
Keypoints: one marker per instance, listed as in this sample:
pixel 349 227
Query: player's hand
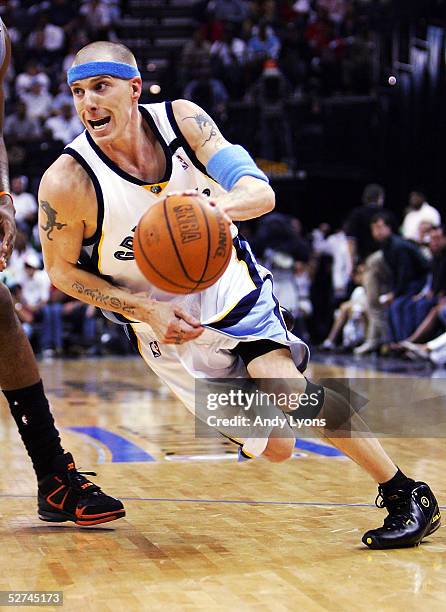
pixel 7 234
pixel 170 323
pixel 212 202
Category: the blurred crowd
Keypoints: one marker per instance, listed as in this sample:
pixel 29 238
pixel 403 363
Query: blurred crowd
pixel 263 51
pixel 274 49
pixel 375 284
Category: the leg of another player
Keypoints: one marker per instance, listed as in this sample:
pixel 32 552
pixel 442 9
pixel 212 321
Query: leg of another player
pixel 58 479
pixel 21 384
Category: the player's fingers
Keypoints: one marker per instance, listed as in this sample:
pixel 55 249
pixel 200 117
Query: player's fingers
pixel 225 215
pixel 185 316
pixel 187 331
pixel 181 332
pixel 182 337
pixel 8 240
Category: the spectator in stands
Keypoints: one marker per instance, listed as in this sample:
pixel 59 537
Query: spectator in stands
pixel 407 268
pixel 64 96
pixel 357 226
pixel 418 212
pixel 65 126
pixel 231 11
pixel 336 9
pixel 319 31
pixel 35 286
pixel 421 304
pixel 336 245
pixel 15 272
pixel 46 40
pixel 263 44
pixel 25 204
pixel 351 317
pixel 294 56
pixel 209 93
pixel 195 54
pixel 99 18
pixel 432 301
pixel 228 57
pixel 19 128
pixel 63 13
pixel 38 102
pixel 270 92
pixel 279 245
pixel 377 279
pixel 33 72
pixel 434 350
pixel 23 312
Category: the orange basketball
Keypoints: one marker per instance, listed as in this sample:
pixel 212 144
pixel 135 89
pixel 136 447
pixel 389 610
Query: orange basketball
pixel 182 244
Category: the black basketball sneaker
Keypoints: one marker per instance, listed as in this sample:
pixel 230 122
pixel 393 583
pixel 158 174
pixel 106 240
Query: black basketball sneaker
pixel 66 495
pixel 413 515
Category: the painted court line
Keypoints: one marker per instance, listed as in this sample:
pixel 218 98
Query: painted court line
pixel 250 502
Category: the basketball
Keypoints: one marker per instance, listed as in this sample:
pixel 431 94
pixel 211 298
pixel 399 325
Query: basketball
pixel 182 244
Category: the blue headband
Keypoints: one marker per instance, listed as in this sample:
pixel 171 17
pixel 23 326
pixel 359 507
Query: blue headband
pixel 91 69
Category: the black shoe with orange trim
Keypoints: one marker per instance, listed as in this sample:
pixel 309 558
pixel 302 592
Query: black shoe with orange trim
pixel 66 495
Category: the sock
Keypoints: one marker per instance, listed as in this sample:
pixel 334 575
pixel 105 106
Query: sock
pixel 399 481
pixel 31 412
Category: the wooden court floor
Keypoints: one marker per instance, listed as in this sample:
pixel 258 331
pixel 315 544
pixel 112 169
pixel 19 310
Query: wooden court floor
pixel 204 532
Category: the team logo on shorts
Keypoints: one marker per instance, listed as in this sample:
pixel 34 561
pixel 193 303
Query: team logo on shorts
pixel 155 349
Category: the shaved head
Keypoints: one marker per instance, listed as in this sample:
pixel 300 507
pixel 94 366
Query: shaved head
pixel 104 51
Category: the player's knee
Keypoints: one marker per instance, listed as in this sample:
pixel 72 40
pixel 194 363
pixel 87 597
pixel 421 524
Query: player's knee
pixel 279 449
pixel 7 318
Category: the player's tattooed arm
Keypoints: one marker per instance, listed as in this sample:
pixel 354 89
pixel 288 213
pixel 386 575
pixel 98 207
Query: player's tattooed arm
pixel 50 214
pixel 199 129
pixel 101 299
pixel 207 127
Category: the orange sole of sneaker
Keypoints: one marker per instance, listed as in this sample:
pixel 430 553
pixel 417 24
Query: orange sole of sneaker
pixel 98 521
pixel 49 517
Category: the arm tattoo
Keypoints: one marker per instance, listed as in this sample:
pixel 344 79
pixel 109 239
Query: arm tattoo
pixel 102 299
pixel 51 223
pixel 206 125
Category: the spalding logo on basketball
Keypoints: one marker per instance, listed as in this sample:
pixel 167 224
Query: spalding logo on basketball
pixel 182 244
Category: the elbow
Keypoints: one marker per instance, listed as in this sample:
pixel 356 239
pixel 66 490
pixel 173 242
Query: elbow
pixel 270 199
pixel 55 278
pixel 58 277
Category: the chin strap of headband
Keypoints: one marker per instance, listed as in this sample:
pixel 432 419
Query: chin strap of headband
pixel 91 69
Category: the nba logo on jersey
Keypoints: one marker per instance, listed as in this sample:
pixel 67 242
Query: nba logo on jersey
pixel 183 163
pixel 155 349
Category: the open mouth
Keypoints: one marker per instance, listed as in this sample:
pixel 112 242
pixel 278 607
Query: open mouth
pixel 99 124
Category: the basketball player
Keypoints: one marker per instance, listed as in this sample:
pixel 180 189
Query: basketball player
pixel 63 493
pixel 92 198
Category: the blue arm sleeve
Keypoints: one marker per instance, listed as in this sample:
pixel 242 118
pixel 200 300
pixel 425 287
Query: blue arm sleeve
pixel 230 164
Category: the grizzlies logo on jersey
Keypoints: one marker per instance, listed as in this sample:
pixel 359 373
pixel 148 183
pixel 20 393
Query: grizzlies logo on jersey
pixel 127 244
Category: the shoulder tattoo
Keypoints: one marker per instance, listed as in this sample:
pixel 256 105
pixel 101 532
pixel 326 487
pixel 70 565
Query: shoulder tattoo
pixel 207 127
pixel 51 223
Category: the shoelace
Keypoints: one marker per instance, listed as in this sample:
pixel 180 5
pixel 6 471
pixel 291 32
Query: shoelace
pixel 78 481
pixel 398 509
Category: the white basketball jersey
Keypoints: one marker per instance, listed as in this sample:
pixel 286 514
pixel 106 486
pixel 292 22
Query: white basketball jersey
pixel 240 306
pixel 123 199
